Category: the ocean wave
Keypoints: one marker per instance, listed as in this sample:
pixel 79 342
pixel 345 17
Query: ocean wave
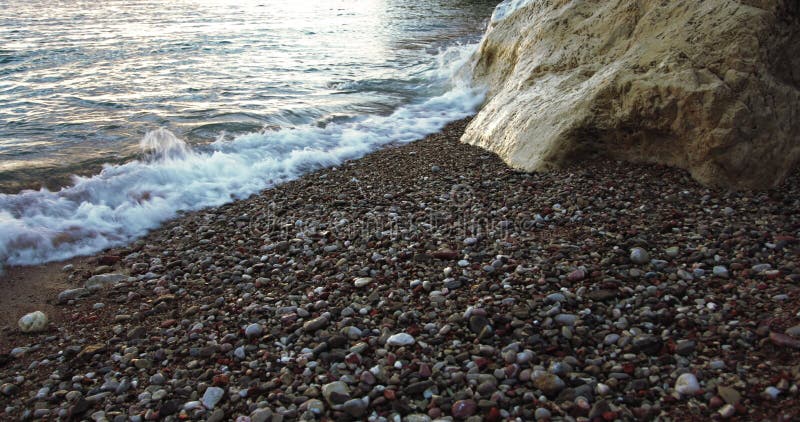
pixel 125 201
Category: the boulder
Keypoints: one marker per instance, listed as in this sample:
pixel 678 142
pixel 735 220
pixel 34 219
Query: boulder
pixel 712 87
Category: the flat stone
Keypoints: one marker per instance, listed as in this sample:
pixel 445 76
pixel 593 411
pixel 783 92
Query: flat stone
pixel 576 275
pixel 446 255
pixel 137 332
pixel 362 281
pixel 400 339
pixel 212 396
pixel 71 294
pixel 550 384
pixel 336 392
pixel 253 330
pixel 464 408
pixel 355 407
pixel 418 387
pixel 730 395
pixel 783 340
pixel 316 324
pixel 102 280
pixel 602 295
pixel 566 319
pixel 91 350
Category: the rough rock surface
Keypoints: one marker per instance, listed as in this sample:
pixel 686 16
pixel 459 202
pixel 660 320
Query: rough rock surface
pixel 711 87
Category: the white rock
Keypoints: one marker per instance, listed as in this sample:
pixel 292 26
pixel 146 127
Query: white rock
pixel 362 281
pixel 212 396
pixel 772 392
pixel 400 339
pixel 727 411
pixel 687 384
pixel 538 52
pixel 33 322
pixel 191 405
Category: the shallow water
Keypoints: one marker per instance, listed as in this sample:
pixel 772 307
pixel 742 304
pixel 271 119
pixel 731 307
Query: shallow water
pixel 196 103
pixel 86 80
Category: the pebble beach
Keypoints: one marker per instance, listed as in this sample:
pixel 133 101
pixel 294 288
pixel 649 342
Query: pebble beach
pixel 430 281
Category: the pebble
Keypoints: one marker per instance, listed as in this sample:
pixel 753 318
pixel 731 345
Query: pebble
pixel 672 251
pixel 687 384
pixel 720 271
pixel 639 256
pixel 253 330
pixel 362 281
pixel 316 324
pixel 463 409
pixel 772 392
pixel 542 414
pixel 104 280
pixel 157 379
pixel 566 319
pixel 550 384
pixel 33 322
pixel 545 311
pixel 727 411
pixel 730 395
pixel 400 339
pixel 355 407
pixel 335 392
pixel 212 396
pixel 72 294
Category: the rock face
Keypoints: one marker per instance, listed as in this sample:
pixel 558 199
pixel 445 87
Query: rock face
pixel 712 87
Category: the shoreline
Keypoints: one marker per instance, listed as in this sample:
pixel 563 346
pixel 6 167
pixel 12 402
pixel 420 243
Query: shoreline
pixel 518 289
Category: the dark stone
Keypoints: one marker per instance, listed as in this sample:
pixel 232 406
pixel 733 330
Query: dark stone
pixel 169 408
pixel 418 387
pixel 79 408
pixel 337 342
pixel 477 323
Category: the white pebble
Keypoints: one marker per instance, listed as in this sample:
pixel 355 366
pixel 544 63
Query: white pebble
pixel 33 322
pixel 362 281
pixel 400 339
pixel 772 392
pixel 687 384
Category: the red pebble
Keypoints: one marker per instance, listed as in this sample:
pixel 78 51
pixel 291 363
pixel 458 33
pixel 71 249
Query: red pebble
pixel 493 415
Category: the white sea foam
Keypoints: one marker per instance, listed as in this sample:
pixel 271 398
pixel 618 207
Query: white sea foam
pixel 507 8
pixel 123 202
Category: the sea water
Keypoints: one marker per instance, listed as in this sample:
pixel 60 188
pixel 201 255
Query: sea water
pixel 165 106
